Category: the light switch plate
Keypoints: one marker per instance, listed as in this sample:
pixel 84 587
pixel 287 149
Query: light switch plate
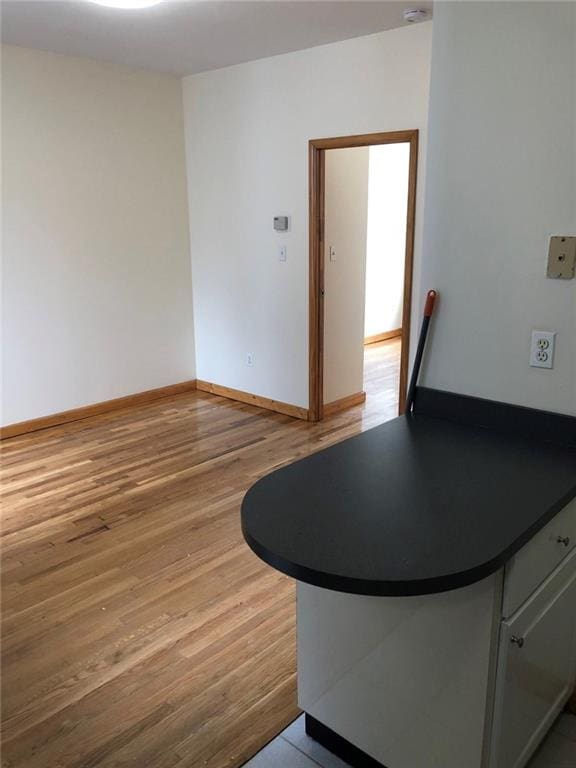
pixel 562 257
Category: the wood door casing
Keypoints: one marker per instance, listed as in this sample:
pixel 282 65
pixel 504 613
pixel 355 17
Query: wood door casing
pixel 317 149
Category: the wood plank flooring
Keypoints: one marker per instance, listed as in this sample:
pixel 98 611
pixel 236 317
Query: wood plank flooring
pixel 138 628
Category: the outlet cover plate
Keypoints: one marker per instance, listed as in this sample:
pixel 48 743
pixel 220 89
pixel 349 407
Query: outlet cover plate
pixel 562 257
pixel 542 349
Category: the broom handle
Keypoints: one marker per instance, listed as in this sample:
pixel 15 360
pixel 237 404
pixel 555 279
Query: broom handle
pixel 428 310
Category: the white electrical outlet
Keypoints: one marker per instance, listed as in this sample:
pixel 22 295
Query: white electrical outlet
pixel 542 349
pixel 249 359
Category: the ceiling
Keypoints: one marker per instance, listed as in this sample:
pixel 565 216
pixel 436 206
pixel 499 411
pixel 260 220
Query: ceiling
pixel 185 36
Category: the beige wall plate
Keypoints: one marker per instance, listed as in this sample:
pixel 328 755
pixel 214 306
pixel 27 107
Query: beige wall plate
pixel 562 257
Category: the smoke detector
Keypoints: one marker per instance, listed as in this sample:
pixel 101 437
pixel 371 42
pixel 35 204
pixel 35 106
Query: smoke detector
pixel 414 14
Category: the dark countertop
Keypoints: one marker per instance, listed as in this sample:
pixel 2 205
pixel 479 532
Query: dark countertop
pixel 417 505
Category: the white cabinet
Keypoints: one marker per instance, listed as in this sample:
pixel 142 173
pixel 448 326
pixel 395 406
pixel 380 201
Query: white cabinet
pixel 471 678
pixel 403 679
pixel 535 667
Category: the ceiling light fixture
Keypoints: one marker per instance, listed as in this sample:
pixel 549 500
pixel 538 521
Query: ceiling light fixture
pixel 129 5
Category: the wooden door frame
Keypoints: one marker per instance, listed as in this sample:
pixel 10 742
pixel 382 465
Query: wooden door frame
pixel 316 157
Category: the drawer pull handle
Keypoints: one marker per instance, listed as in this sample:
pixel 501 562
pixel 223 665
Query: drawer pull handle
pixel 519 641
pixel 564 540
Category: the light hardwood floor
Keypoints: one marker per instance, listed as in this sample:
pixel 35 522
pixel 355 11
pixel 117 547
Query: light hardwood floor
pixel 138 628
pixel 382 375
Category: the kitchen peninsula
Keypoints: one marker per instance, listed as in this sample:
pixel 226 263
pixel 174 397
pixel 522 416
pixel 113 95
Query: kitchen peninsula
pixel 436 565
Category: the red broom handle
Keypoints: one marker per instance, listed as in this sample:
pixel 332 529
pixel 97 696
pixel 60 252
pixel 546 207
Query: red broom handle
pixel 428 310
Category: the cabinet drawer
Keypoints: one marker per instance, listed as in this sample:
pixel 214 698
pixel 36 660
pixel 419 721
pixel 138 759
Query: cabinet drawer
pixel 529 567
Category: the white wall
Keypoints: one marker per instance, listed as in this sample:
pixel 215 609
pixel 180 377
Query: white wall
pixel 96 274
pixel 345 230
pixel 501 178
pixel 247 131
pixel 386 242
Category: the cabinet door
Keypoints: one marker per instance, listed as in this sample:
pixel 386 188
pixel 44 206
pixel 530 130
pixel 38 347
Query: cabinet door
pixel 535 667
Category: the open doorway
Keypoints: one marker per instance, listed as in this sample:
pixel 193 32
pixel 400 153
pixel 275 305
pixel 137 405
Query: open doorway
pixel 362 210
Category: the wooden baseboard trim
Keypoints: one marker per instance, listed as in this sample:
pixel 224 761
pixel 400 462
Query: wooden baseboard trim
pixel 336 406
pixel 246 397
pixel 383 336
pixel 86 411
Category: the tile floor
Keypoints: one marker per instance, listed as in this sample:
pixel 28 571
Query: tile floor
pixel 293 749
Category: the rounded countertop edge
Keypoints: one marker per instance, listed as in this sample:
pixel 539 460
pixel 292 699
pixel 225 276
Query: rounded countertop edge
pixel 371 587
pixel 404 588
